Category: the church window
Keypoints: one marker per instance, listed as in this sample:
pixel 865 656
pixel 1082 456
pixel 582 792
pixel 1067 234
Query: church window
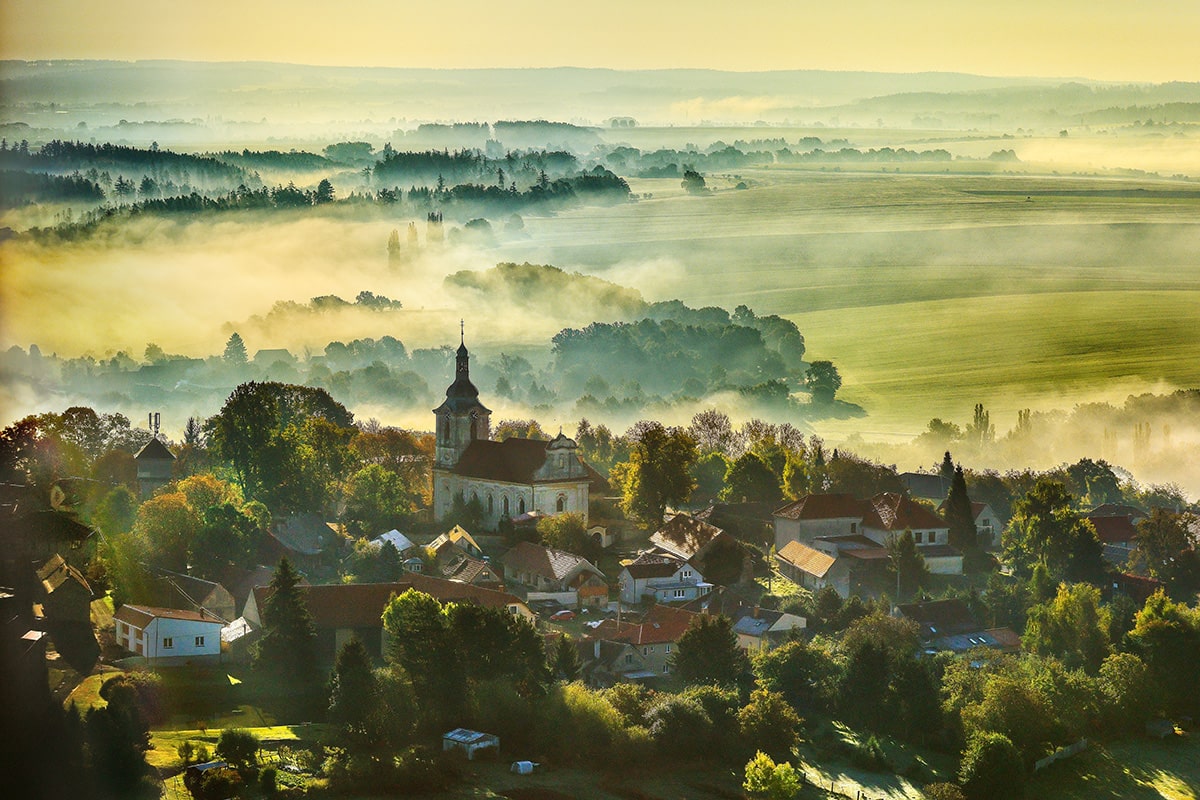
pixel 491 505
pixel 562 503
pixel 506 505
pixel 521 506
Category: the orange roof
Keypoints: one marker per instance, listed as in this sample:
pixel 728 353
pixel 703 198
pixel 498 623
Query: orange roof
pixel 806 559
pixel 823 506
pixel 663 624
pixel 1113 530
pixel 897 512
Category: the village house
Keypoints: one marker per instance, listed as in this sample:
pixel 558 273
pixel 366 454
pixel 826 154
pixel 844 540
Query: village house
pixel 504 479
pixel 344 610
pixel 841 525
pixel 756 628
pixel 1117 534
pixel 663 577
pixel 168 636
pixel 640 651
pixel 66 596
pixel 987 527
pixel 707 548
pixel 187 591
pixel 813 569
pixel 948 625
pixel 550 574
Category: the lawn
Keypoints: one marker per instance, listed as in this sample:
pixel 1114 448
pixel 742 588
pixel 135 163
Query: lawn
pixel 1132 770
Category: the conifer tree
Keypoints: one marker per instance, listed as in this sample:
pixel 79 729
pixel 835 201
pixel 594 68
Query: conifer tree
pixel 235 350
pixel 959 515
pixel 287 650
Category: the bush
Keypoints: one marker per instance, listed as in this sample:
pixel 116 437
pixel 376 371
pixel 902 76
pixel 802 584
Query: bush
pixel 238 746
pixel 769 724
pixel 766 779
pixel 266 781
pixel 991 768
pixel 218 783
pixel 943 791
pixel 869 755
pixel 680 726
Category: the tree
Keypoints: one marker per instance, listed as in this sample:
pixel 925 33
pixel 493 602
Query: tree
pixel 657 473
pixel 767 722
pixel 906 564
pixel 708 652
pixel 377 499
pixel 981 432
pixel 1166 550
pixel 877 649
pixel 709 475
pixel 287 649
pixel 238 746
pixel 959 514
pixel 325 192
pixel 116 512
pixel 749 479
pixel 822 380
pixel 1046 528
pixel 1130 693
pixel 423 647
pixel 769 780
pixel 1072 627
pixel 565 664
pixel 227 535
pixel 797 670
pixel 693 182
pixel 567 532
pixel 352 692
pixel 286 443
pixel 991 768
pixel 167 523
pixel 235 350
pixel 1166 635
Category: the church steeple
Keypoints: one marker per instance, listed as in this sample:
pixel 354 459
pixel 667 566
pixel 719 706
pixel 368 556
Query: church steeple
pixel 461 418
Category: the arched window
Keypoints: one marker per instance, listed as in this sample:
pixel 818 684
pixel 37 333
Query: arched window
pixel 562 503
pixel 491 504
pixel 506 505
pixel 521 506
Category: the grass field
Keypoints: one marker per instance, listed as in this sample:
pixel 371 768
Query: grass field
pixel 1141 770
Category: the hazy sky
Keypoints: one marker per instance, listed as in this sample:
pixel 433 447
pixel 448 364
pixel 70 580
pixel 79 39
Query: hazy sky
pixel 1147 40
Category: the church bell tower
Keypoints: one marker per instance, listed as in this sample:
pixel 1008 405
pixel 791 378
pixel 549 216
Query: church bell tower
pixel 461 418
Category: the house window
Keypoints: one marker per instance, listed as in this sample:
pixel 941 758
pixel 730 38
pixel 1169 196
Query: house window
pixel 645 651
pixel 679 593
pixel 629 658
pixel 168 643
pixel 562 504
pixel 917 537
pixel 199 641
pixel 854 527
pixel 687 573
pixel 666 669
pixel 668 647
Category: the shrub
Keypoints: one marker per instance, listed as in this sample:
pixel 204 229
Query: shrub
pixel 869 755
pixel 943 791
pixel 238 746
pixel 991 768
pixel 766 779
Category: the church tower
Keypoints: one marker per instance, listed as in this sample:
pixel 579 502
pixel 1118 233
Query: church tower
pixel 461 418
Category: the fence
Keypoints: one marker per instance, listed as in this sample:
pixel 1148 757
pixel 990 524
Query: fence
pixel 1062 752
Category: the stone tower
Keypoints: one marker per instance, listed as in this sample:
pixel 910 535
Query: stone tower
pixel 461 418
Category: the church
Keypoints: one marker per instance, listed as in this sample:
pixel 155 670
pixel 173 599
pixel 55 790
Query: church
pixel 509 478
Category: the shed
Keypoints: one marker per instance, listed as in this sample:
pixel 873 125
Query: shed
pixel 469 742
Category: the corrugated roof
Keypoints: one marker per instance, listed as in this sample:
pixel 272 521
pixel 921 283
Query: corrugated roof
pixel 653 565
pixel 806 559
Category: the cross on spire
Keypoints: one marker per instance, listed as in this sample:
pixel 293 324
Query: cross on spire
pixel 462 331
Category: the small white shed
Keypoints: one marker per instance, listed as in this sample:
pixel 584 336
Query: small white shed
pixel 469 741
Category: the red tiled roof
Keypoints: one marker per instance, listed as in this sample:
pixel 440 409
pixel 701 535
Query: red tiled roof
pixel 514 460
pixel 823 506
pixel 141 616
pixel 806 559
pixel 896 512
pixel 685 536
pixel 1113 530
pixel 663 624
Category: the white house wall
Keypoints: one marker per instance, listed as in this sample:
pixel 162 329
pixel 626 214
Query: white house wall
pixel 805 530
